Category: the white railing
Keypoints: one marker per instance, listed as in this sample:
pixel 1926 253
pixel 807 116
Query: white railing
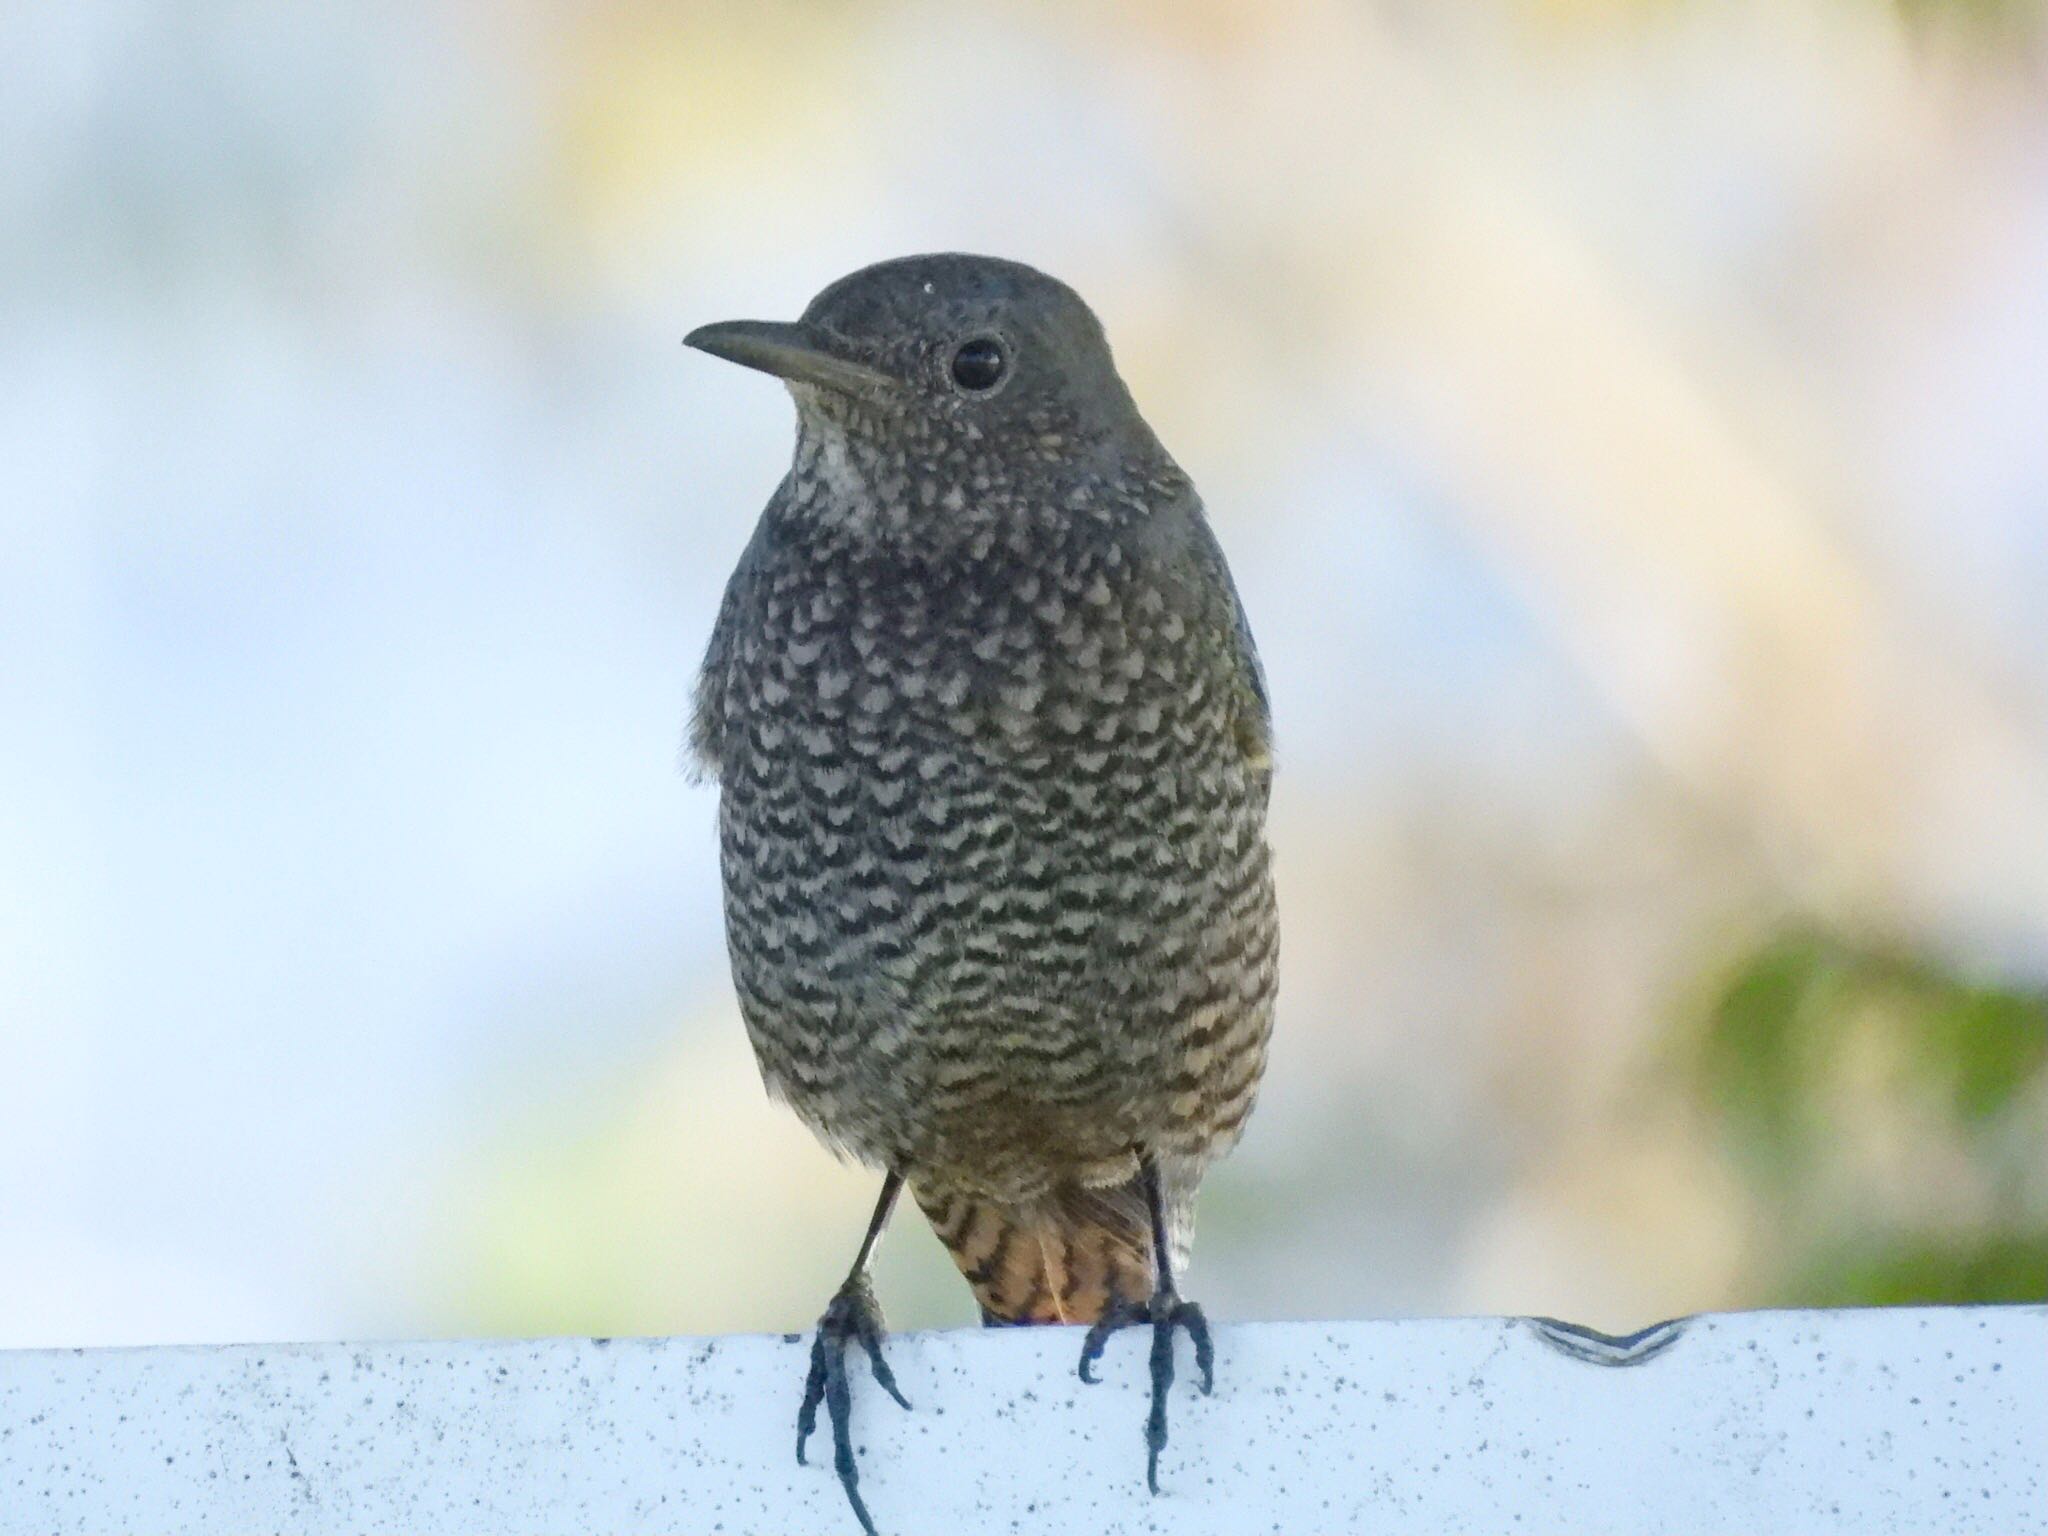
pixel 1930 1420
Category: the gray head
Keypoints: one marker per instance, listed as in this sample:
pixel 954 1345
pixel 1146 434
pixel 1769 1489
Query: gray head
pixel 949 356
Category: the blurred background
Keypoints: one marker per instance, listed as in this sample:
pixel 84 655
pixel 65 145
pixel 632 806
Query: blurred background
pixel 1628 422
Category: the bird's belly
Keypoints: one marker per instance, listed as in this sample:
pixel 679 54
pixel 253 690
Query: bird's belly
pixel 995 970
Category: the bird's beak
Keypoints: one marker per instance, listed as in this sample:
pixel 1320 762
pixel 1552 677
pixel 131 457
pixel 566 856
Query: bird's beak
pixel 798 353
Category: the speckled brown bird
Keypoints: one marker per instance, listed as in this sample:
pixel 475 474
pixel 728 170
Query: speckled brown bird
pixel 993 747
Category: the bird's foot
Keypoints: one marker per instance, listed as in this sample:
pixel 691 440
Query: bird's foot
pixel 1166 1312
pixel 852 1318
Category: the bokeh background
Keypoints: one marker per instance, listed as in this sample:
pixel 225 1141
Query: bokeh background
pixel 1628 421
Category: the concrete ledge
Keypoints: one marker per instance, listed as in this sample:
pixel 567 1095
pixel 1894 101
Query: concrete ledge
pixel 1896 1421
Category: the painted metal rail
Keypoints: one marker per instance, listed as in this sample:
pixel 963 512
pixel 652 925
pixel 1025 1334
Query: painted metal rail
pixel 1931 1420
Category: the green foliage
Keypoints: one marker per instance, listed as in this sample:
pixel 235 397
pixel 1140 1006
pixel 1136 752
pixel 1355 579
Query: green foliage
pixel 1910 1271
pixel 1756 1054
pixel 1816 1047
pixel 1986 1043
pixel 1981 13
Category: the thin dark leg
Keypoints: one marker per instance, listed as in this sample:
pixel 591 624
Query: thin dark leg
pixel 885 1206
pixel 1166 1311
pixel 1189 1313
pixel 852 1318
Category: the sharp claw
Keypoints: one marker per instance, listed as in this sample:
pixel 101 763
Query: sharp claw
pixel 871 1341
pixel 1166 1313
pixel 1190 1316
pixel 850 1317
pixel 839 1408
pixel 814 1393
pixel 1163 1319
pixel 1117 1314
pixel 1091 1351
pixel 887 1383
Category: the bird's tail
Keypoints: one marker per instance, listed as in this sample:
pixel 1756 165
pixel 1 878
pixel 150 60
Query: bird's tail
pixel 1061 1257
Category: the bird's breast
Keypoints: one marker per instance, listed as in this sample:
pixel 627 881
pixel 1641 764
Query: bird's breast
pixel 1007 659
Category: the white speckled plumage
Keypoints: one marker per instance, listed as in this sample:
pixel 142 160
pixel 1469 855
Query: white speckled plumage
pixel 992 739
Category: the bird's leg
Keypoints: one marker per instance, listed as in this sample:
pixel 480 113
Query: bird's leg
pixel 1166 1312
pixel 852 1318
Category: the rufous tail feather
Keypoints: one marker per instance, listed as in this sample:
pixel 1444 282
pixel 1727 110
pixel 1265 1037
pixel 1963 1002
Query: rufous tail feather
pixel 1059 1258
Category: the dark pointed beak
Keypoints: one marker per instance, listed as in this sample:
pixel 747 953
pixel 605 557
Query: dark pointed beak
pixel 794 352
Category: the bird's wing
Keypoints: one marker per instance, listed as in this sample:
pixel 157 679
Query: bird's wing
pixel 1215 594
pixel 706 750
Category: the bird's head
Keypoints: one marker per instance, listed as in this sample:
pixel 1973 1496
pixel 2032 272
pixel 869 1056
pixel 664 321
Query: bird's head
pixel 965 370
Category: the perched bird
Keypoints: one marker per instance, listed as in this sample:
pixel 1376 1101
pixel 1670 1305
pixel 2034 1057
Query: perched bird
pixel 992 742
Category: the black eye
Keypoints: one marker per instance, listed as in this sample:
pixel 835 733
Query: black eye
pixel 979 364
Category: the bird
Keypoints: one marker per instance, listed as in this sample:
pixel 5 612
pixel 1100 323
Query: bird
pixel 993 746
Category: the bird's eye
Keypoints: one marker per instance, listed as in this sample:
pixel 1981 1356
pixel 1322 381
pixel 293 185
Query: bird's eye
pixel 979 364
